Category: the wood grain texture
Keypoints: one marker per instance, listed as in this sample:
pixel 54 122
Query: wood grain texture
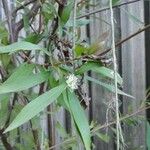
pixel 100 23
pixel 133 70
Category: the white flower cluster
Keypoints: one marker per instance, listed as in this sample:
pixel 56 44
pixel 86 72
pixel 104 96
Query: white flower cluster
pixel 112 73
pixel 72 81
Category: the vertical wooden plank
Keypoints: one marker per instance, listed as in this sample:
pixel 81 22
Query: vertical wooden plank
pixel 147 54
pixel 59 117
pixel 100 23
pixel 133 70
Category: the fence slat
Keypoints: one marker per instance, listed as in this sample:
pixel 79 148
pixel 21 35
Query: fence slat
pixel 100 23
pixel 133 70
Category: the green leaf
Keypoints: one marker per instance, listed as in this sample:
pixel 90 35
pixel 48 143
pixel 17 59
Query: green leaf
pixel 85 49
pixel 103 137
pixel 48 11
pixel 80 119
pixel 3 31
pixel 26 22
pixel 81 49
pixel 96 47
pixel 62 100
pixel 87 67
pixel 109 87
pixel 66 13
pixel 5 59
pixel 107 73
pixel 96 67
pixel 79 22
pixel 61 130
pixel 4 99
pixel 22 45
pixel 114 2
pixel 3 34
pixel 22 79
pixel 36 106
pixel 34 38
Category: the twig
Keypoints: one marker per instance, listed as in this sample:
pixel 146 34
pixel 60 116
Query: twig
pixel 100 127
pixel 115 69
pixel 103 53
pixel 25 57
pixel 22 6
pixel 126 39
pixel 106 8
pixel 6 144
pixel 3 73
pixel 10 111
pixel 40 22
pixel 107 50
pixel 59 2
pixel 72 54
pixel 9 20
pixel 34 10
pixel 4 141
pixel 60 10
pixel 62 143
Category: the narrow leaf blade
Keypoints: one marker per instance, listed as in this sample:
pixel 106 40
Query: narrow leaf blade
pixel 98 68
pixel 22 79
pixel 80 119
pixel 22 45
pixel 36 106
pixel 109 87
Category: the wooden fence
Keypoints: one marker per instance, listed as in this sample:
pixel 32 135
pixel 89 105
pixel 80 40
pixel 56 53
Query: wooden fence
pixel 132 65
pixel 131 62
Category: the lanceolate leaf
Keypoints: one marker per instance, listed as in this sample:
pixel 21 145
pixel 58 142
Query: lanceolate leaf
pixel 20 46
pixel 87 67
pixel 36 106
pixel 80 119
pixel 108 73
pixel 109 87
pixel 79 22
pixel 103 137
pixel 22 79
pixel 114 2
pixel 96 67
pixel 66 12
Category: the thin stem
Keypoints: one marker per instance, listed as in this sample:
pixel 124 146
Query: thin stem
pixel 4 141
pixel 62 143
pixel 74 31
pixel 34 11
pixel 118 127
pixel 22 7
pixel 127 38
pixel 106 8
pixel 107 50
pixel 100 127
pixel 9 20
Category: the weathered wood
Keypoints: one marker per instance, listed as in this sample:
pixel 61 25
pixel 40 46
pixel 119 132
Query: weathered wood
pixel 100 23
pixel 147 54
pixel 133 71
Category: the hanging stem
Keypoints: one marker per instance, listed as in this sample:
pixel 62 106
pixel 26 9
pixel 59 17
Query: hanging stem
pixel 74 32
pixel 118 126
